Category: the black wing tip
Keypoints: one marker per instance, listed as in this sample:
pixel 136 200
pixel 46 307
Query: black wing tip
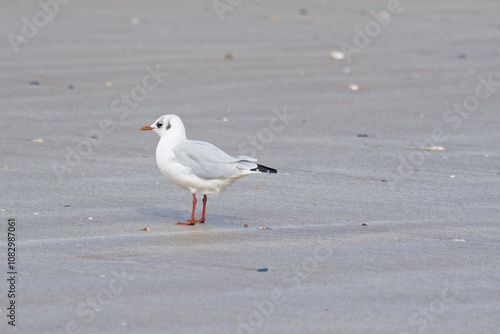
pixel 264 169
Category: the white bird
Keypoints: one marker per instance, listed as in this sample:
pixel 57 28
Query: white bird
pixel 196 165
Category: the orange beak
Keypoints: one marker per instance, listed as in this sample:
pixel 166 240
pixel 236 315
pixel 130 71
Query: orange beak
pixel 147 127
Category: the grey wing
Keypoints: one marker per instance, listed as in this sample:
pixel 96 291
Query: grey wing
pixel 209 162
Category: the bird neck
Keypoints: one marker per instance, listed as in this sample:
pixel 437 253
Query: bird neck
pixel 173 137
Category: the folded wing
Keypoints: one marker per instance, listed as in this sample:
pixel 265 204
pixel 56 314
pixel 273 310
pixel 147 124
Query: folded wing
pixel 209 162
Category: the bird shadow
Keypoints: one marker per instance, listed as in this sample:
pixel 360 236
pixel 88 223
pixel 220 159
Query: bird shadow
pixel 167 215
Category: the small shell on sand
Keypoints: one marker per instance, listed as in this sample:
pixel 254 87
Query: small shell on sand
pixel 337 55
pixel 435 148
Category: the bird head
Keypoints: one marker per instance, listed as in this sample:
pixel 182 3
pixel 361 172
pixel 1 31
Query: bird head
pixel 167 125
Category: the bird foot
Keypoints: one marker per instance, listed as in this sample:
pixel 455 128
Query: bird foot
pixel 191 222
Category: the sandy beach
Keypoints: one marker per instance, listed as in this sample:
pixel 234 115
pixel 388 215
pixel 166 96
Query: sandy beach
pixel 384 217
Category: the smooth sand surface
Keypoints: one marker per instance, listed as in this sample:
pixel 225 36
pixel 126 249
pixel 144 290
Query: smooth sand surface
pixel 259 82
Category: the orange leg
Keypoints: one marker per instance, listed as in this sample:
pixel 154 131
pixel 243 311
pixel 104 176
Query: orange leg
pixel 192 221
pixel 202 220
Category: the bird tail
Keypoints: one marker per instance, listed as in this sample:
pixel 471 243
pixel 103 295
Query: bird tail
pixel 264 169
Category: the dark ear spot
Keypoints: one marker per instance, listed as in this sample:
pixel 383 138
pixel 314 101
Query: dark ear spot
pixel 169 126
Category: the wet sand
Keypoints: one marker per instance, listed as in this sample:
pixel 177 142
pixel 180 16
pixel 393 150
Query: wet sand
pixel 369 231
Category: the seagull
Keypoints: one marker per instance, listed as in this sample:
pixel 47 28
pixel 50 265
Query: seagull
pixel 196 165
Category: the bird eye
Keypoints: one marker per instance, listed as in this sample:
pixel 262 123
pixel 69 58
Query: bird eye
pixel 159 124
